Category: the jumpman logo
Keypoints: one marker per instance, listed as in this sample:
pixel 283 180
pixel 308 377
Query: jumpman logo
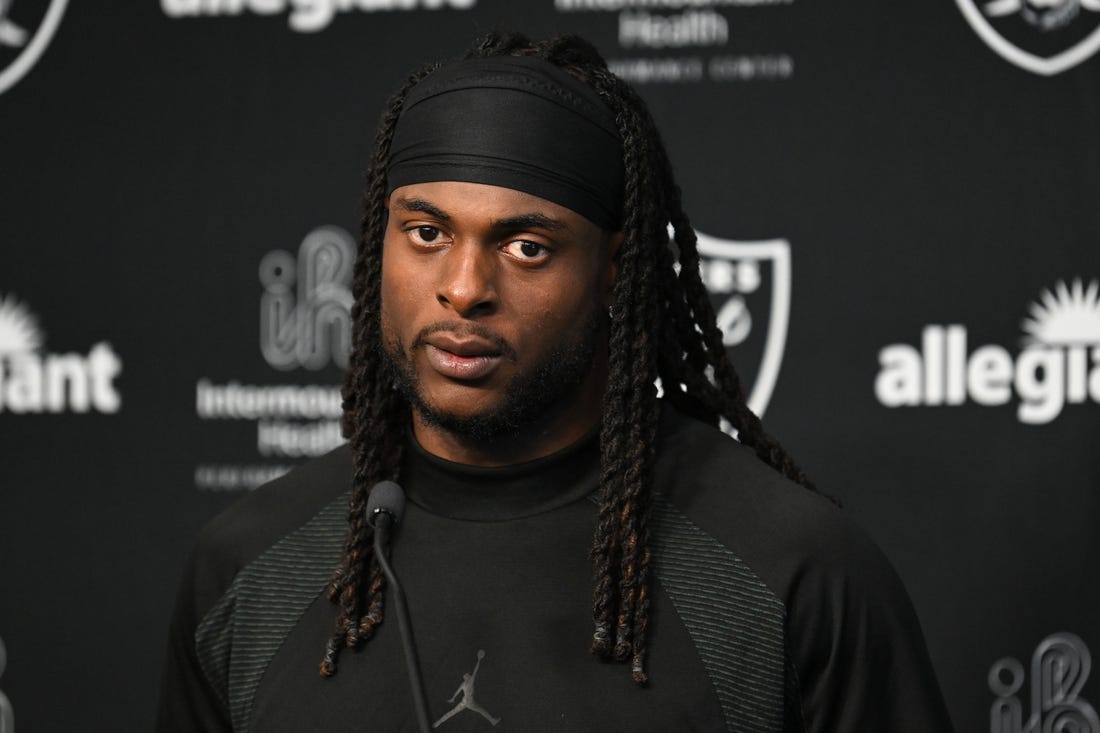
pixel 466 689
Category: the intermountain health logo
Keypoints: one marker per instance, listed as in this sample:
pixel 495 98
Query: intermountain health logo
pixel 305 16
pixel 304 324
pixel 1042 36
pixel 32 381
pixel 750 287
pixel 305 311
pixel 1060 667
pixel 1059 363
pixel 26 29
pixel 686 41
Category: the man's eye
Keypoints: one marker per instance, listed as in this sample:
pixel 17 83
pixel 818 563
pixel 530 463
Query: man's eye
pixel 526 250
pixel 426 234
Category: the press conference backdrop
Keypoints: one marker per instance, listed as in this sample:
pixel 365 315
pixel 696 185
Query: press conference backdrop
pixel 899 207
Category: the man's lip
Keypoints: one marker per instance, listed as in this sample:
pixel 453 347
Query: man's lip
pixel 456 366
pixel 462 347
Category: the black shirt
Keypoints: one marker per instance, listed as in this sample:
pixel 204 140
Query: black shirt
pixel 770 610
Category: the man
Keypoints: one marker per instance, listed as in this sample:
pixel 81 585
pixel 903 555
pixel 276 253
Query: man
pixel 517 299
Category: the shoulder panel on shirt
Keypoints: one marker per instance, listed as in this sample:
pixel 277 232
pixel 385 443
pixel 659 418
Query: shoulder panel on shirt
pixel 735 621
pixel 850 627
pixel 261 518
pixel 774 525
pixel 239 636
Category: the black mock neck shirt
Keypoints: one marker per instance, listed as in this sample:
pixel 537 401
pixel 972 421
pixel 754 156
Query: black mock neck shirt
pixel 770 611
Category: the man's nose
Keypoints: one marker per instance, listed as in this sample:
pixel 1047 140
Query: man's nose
pixel 467 283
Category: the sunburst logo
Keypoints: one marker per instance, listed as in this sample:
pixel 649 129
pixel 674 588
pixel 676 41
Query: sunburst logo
pixel 19 332
pixel 1067 315
pixel 35 382
pixel 1059 364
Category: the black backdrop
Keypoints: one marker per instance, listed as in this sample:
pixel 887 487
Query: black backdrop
pixel 906 225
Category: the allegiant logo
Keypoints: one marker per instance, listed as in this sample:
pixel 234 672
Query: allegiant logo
pixel 1059 363
pixel 305 16
pixel 34 382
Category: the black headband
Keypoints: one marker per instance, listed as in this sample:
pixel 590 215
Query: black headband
pixel 513 121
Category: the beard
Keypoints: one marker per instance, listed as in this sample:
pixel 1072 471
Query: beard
pixel 548 386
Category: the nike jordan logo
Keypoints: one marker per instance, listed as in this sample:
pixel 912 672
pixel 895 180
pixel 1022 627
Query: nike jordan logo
pixel 466 689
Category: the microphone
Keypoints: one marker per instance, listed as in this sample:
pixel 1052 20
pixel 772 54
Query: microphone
pixel 385 509
pixel 386 499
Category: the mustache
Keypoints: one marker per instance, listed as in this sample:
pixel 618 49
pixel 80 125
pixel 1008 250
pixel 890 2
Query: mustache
pixel 460 330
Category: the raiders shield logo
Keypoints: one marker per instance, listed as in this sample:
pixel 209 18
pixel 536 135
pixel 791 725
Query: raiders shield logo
pixel 750 286
pixel 26 29
pixel 1042 36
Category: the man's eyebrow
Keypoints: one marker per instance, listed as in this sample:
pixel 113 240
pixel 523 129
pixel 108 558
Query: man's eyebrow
pixel 415 204
pixel 532 220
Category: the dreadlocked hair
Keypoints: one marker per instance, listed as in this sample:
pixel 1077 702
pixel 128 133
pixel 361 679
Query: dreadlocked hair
pixel 662 327
pixel 375 416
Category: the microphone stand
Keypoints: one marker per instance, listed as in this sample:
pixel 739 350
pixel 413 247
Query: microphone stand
pixel 383 520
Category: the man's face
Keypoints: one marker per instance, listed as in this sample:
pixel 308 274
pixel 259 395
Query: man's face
pixel 494 306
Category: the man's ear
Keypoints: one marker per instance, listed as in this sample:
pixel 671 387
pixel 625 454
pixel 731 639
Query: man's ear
pixel 611 265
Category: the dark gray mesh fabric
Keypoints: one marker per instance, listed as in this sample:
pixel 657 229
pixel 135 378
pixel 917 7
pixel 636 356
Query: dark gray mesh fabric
pixel 735 621
pixel 238 637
